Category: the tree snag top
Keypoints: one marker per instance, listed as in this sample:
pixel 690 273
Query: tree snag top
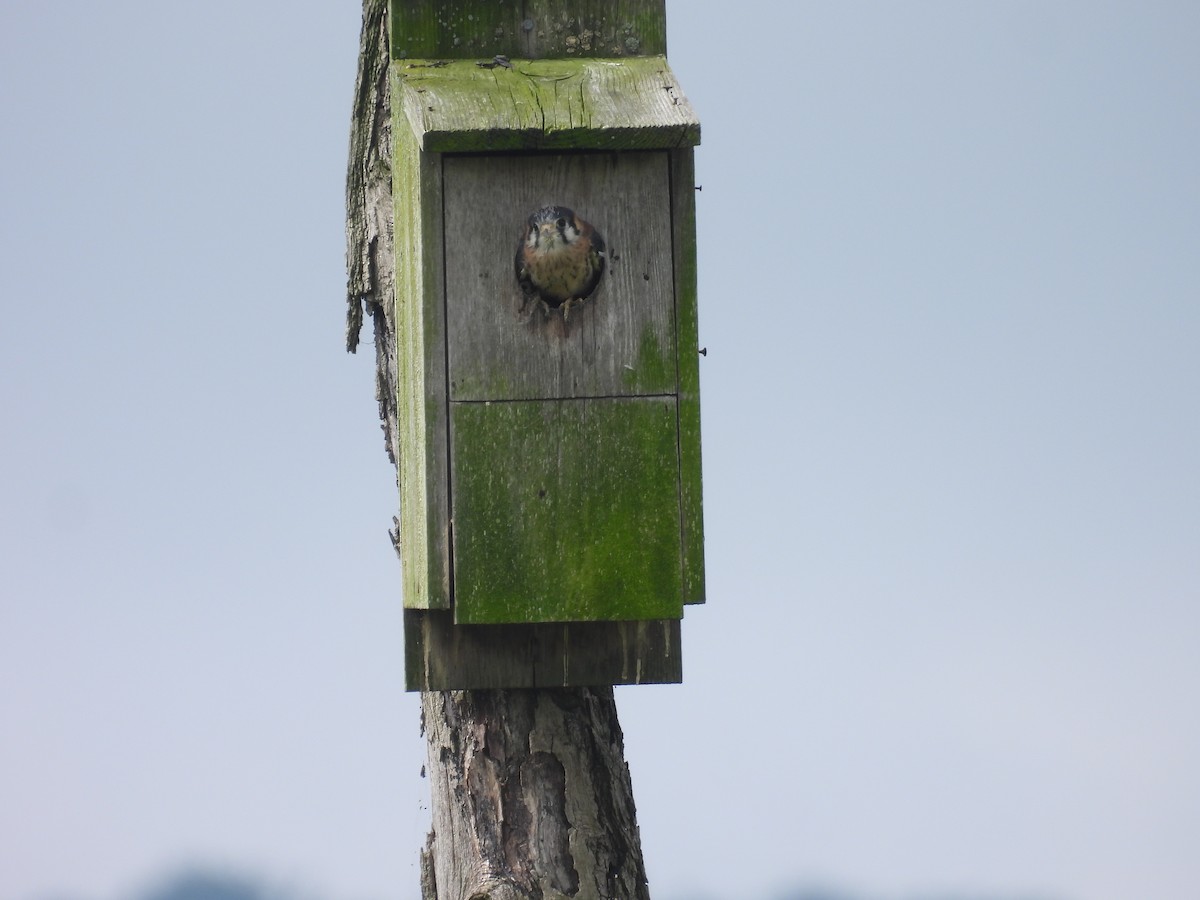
pixel 527 29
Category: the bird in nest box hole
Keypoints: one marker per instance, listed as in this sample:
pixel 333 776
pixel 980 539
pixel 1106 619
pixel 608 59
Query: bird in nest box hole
pixel 560 259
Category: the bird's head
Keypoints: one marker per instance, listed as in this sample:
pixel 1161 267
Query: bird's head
pixel 551 228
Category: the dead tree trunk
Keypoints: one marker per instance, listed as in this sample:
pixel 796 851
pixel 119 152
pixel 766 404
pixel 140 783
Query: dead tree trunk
pixel 531 795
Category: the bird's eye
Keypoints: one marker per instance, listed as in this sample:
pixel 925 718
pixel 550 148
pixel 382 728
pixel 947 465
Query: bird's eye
pixel 561 223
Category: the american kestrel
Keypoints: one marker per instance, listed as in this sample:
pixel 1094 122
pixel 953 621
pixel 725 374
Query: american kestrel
pixel 560 258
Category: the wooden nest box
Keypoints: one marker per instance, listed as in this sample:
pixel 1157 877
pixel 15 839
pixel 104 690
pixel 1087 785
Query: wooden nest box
pixel 549 456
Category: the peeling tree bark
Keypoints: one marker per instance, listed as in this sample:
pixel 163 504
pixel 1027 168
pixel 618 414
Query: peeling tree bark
pixel 370 255
pixel 531 795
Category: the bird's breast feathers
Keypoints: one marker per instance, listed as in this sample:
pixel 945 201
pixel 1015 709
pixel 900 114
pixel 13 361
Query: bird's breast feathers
pixel 562 274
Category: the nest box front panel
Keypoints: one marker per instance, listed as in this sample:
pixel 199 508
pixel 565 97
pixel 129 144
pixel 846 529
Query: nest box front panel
pixel 566 511
pixel 564 422
pixel 618 342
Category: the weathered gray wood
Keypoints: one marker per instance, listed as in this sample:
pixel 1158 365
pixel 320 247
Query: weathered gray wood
pixel 440 655
pixel 443 656
pixel 619 342
pixel 529 29
pixel 421 371
pixel 632 104
pixel 532 787
pixel 370 257
pixel 646 652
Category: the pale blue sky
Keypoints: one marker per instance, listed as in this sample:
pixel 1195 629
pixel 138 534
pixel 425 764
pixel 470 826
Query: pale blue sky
pixel 950 288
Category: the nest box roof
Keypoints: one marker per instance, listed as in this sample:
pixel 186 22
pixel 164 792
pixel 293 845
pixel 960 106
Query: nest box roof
pixel 633 103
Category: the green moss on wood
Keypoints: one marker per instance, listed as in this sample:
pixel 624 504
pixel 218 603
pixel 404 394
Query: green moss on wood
pixel 683 217
pixel 420 399
pixel 605 104
pixel 654 368
pixel 566 510
pixel 529 29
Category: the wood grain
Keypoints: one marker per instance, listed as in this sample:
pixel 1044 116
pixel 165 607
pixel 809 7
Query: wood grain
pixel 683 217
pixel 621 341
pixel 421 421
pixel 529 29
pixel 598 104
pixel 442 656
pixel 566 510
pixel 531 797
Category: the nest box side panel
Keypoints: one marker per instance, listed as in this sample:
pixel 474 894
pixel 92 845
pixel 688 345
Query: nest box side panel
pixel 421 370
pixel 618 342
pixel 565 510
pixel 683 217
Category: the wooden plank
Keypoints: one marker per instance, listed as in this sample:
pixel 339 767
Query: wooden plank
pixel 597 104
pixel 565 511
pixel 683 207
pixel 442 656
pixel 421 374
pixel 529 29
pixel 621 341
pixel 580 653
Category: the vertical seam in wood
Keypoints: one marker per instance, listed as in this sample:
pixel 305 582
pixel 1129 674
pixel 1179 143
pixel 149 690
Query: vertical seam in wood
pixel 671 198
pixel 441 174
